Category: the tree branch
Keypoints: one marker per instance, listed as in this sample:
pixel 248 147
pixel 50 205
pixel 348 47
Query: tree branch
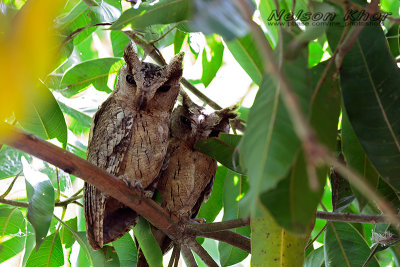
pixel 217 226
pixel 354 218
pixel 202 253
pixel 188 257
pixel 231 238
pixel 92 174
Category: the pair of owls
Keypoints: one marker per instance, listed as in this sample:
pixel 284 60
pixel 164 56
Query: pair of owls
pixel 136 136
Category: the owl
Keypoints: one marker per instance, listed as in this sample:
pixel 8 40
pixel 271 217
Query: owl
pixel 188 179
pixel 129 139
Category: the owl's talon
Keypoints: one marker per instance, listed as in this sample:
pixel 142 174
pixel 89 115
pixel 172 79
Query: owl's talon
pixel 198 220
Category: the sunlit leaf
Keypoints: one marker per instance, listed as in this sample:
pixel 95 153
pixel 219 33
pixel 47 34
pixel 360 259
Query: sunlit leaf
pixel 93 72
pixel 49 254
pixel 12 233
pixel 67 238
pixel 40 193
pixel 274 246
pixel 10 161
pixel 147 243
pixel 43 116
pixel 211 65
pixel 126 250
pixel 248 56
pixel 80 122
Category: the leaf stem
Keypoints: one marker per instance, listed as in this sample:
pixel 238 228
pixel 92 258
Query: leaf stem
pixel 217 226
pixel 202 253
pixel 11 185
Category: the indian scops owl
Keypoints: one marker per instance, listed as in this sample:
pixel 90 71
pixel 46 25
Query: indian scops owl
pixel 188 179
pixel 129 139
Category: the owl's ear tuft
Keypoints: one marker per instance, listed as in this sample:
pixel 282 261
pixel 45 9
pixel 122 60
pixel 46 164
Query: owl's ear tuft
pixel 130 55
pixel 188 104
pixel 228 113
pixel 175 67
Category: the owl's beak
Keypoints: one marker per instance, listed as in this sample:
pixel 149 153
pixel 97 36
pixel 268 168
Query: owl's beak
pixel 142 101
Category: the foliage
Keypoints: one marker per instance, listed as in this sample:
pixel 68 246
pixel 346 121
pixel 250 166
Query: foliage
pixel 344 78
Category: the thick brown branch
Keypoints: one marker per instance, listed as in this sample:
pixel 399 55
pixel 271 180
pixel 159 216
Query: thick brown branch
pixel 105 182
pixel 188 257
pixel 231 238
pixel 217 226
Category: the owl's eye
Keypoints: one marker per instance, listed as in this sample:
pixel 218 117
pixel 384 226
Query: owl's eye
pixel 185 121
pixel 214 133
pixel 130 79
pixel 164 88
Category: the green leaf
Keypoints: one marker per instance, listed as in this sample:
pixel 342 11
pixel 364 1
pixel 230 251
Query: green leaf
pixel 12 233
pixel 393 38
pixel 266 7
pixel 342 195
pixel 223 149
pixel 147 243
pixel 85 50
pixel 67 238
pixel 221 17
pixel 10 161
pixel 163 12
pixel 345 246
pixel 246 53
pixel 356 158
pixel 79 122
pixel 119 41
pixel 371 96
pixel 179 38
pixel 316 258
pixel 230 255
pixel 273 246
pixel 104 12
pixel 270 144
pixel 126 250
pixel 211 67
pixel 78 17
pixel 210 209
pixel 94 72
pixel 43 116
pixel 49 254
pixel 29 243
pixel 315 53
pixel 40 194
pixel 87 257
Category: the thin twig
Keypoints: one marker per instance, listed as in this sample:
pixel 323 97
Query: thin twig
pixel 217 226
pixel 231 238
pixel 11 185
pixel 354 218
pixel 188 257
pixel 202 253
pixel 315 238
pixel 163 36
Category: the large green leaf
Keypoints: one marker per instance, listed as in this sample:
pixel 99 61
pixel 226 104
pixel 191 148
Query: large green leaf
pixel 147 243
pixel 246 53
pixel 345 246
pixel 211 67
pixel 43 116
pixel 271 245
pixel 230 255
pixel 270 144
pixel 67 238
pixel 370 82
pixel 119 42
pixel 163 12
pixel 104 12
pixel 49 254
pixel 356 158
pixel 93 72
pixel 12 233
pixel 126 250
pixel 223 149
pixel 40 194
pixel 393 39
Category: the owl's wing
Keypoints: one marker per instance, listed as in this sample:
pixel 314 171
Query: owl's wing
pixel 109 139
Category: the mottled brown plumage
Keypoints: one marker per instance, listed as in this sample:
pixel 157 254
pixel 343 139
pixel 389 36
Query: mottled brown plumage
pixel 188 179
pixel 129 139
